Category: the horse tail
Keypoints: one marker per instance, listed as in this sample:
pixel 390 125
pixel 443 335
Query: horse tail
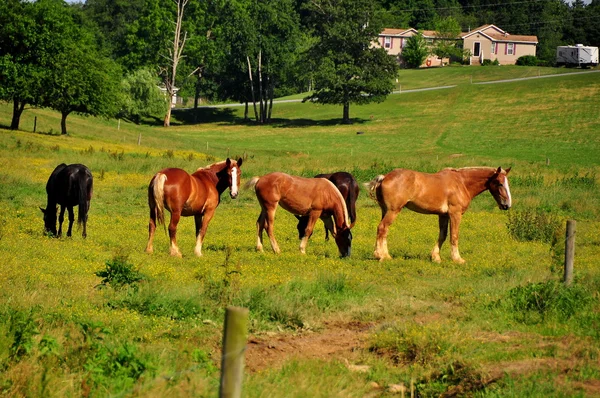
pixel 251 183
pixel 157 191
pixel 351 202
pixel 373 185
pixel 85 183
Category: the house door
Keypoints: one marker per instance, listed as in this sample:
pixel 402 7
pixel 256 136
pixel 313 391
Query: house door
pixel 476 49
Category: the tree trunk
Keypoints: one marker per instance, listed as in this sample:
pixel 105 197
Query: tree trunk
pixel 271 90
pixel 63 123
pixel 18 108
pixel 246 112
pixel 252 88
pixel 346 117
pixel 260 88
pixel 197 93
pixel 167 121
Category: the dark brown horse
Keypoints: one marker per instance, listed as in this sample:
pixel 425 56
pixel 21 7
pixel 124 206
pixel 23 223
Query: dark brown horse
pixel 446 193
pixel 309 197
pixel 186 195
pixel 68 186
pixel 349 189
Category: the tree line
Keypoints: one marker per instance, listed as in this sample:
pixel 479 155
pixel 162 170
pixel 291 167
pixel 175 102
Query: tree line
pixel 109 57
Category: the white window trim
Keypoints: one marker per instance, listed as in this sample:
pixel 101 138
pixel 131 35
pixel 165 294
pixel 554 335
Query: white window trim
pixel 494 45
pixel 387 42
pixel 510 49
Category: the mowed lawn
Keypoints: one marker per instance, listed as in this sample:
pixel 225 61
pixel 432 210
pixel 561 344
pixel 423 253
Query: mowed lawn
pixel 319 325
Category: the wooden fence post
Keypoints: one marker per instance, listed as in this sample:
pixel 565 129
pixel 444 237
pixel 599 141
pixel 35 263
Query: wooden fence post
pixel 34 124
pixel 234 345
pixel 569 251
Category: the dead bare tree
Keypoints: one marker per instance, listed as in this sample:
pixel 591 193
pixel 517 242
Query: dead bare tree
pixel 175 55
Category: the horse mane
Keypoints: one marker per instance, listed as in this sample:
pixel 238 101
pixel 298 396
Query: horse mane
pixel 213 166
pixel 474 168
pixel 341 199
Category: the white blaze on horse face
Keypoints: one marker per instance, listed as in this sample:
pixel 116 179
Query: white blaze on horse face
pixel 509 203
pixel 234 182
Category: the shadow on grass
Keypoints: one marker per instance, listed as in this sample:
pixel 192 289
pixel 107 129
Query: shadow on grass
pixel 228 115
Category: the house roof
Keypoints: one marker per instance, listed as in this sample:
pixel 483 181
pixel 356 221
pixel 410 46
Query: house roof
pixel 492 32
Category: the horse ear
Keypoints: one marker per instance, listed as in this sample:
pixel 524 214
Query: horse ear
pixel 239 162
pixel 499 170
pixel 508 170
pixel 228 162
pixel 43 210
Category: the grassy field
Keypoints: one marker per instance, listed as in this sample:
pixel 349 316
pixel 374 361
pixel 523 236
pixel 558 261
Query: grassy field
pixel 500 325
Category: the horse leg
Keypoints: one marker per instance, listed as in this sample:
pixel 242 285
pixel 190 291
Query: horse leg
pixel 260 226
pixel 329 227
pixel 71 220
pixel 312 219
pixel 61 218
pixel 151 229
pixel 270 230
pixel 443 223
pixel 175 216
pixel 381 249
pixel 455 219
pixel 201 227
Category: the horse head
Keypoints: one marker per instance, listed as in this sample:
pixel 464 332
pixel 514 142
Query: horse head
pixel 343 239
pixel 50 220
pixel 499 188
pixel 233 174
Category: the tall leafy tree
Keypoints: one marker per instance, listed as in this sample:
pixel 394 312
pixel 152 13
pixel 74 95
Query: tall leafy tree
pixel 30 34
pixel 141 96
pixel 347 68
pixel 447 33
pixel 416 51
pixel 82 78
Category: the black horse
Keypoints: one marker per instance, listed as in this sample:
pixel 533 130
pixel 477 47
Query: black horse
pixel 68 186
pixel 349 189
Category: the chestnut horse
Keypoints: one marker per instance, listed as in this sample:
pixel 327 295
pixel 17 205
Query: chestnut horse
pixel 446 193
pixel 186 195
pixel 349 189
pixel 310 197
pixel 68 186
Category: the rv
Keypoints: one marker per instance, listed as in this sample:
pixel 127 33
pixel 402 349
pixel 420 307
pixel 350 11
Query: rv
pixel 578 55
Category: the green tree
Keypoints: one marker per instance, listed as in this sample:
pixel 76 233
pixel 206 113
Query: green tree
pixel 446 44
pixel 347 68
pixel 141 96
pixel 415 52
pixel 83 80
pixel 30 34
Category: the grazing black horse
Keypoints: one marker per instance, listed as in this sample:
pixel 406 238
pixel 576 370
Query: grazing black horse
pixel 349 189
pixel 68 186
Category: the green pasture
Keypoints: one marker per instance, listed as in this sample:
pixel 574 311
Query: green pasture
pixel 500 325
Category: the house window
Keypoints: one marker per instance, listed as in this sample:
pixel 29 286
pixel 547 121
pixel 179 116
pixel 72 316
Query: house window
pixel 387 42
pixel 494 47
pixel 404 41
pixel 510 49
pixel 429 42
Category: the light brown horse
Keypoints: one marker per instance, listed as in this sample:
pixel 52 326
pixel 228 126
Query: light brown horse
pixel 310 197
pixel 186 195
pixel 446 193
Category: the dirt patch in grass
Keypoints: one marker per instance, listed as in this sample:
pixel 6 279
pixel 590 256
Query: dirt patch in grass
pixel 338 340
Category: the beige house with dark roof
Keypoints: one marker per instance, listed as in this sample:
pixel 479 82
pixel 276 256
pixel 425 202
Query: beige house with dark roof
pixel 485 42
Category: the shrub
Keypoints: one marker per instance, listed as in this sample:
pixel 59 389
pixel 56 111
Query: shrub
pixel 22 329
pixel 415 52
pixel 527 60
pixel 534 225
pixel 535 302
pixel 119 273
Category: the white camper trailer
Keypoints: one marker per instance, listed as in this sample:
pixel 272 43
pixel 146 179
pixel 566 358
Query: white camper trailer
pixel 578 55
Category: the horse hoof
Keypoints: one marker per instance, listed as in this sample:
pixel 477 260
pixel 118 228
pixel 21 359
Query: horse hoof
pixel 149 250
pixel 459 261
pixel 198 253
pixel 437 260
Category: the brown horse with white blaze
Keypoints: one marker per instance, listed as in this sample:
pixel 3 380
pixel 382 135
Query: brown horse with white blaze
pixel 185 195
pixel 300 196
pixel 446 193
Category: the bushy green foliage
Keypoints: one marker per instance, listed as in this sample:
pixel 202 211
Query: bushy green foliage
pixel 415 51
pixel 488 62
pixel 119 272
pixel 533 225
pixel 142 97
pixel 22 329
pixel 527 60
pixel 536 302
